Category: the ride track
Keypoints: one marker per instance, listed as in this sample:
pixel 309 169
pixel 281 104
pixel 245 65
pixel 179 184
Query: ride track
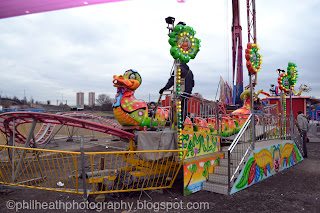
pixel 9 123
pixel 89 115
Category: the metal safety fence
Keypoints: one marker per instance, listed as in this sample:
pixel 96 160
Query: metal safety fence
pixel 38 168
pixel 272 126
pixel 132 170
pixel 89 172
pixel 195 110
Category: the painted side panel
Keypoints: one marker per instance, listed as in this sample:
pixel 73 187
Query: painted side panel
pixel 197 172
pixel 265 162
pixel 199 143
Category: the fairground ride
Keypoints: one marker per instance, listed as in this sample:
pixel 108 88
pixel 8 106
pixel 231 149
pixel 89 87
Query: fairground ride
pixel 237 46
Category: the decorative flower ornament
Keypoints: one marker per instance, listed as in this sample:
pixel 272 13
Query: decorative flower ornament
pixel 183 43
pixel 292 73
pixel 254 59
pixel 284 82
pixel 289 79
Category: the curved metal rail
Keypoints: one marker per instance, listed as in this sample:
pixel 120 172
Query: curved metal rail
pixel 46 129
pixel 89 115
pixel 10 121
pixel 44 133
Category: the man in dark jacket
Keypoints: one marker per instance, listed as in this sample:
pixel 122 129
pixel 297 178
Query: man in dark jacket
pixel 187 84
pixel 187 75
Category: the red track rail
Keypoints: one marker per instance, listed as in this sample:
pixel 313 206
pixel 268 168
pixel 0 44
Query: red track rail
pixel 6 124
pixel 89 115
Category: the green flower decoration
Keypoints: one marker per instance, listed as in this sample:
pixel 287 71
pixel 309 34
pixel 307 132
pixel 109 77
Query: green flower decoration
pixel 283 81
pixel 289 79
pixel 128 104
pixel 292 73
pixel 183 43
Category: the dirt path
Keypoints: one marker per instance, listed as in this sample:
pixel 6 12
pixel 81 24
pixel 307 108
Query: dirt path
pixel 296 189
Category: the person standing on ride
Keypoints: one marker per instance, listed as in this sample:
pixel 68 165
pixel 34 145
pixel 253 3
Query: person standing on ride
pixel 303 127
pixel 187 84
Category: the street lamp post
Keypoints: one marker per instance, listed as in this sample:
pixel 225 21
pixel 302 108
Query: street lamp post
pixel 291 114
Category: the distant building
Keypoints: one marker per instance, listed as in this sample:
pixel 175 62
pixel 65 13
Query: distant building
pixel 80 98
pixel 92 99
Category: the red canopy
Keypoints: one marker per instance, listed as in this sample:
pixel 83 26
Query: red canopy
pixel 10 8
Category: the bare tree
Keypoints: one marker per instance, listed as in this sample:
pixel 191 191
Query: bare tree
pixel 15 98
pixel 104 101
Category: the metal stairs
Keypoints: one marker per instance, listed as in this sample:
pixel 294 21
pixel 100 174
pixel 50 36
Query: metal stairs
pixel 218 181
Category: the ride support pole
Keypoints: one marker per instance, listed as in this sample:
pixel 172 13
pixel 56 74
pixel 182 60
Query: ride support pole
pixel 217 117
pixel 84 184
pixel 13 156
pixel 291 115
pixel 252 112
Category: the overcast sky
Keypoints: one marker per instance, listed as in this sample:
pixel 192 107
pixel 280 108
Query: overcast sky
pixel 54 54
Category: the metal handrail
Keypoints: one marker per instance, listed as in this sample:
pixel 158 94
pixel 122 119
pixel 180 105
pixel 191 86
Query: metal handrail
pixel 231 148
pixel 238 166
pixel 242 130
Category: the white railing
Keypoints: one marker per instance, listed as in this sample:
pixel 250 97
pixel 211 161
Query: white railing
pixel 239 149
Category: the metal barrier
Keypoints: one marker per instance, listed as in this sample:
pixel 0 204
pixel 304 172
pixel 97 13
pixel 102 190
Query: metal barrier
pixel 270 126
pixel 2 139
pixel 38 168
pixel 198 107
pixel 267 126
pixel 194 107
pixel 132 170
pixel 271 109
pixel 101 172
pixel 230 125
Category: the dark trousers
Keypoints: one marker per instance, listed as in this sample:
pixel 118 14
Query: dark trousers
pixel 304 143
pixel 184 108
